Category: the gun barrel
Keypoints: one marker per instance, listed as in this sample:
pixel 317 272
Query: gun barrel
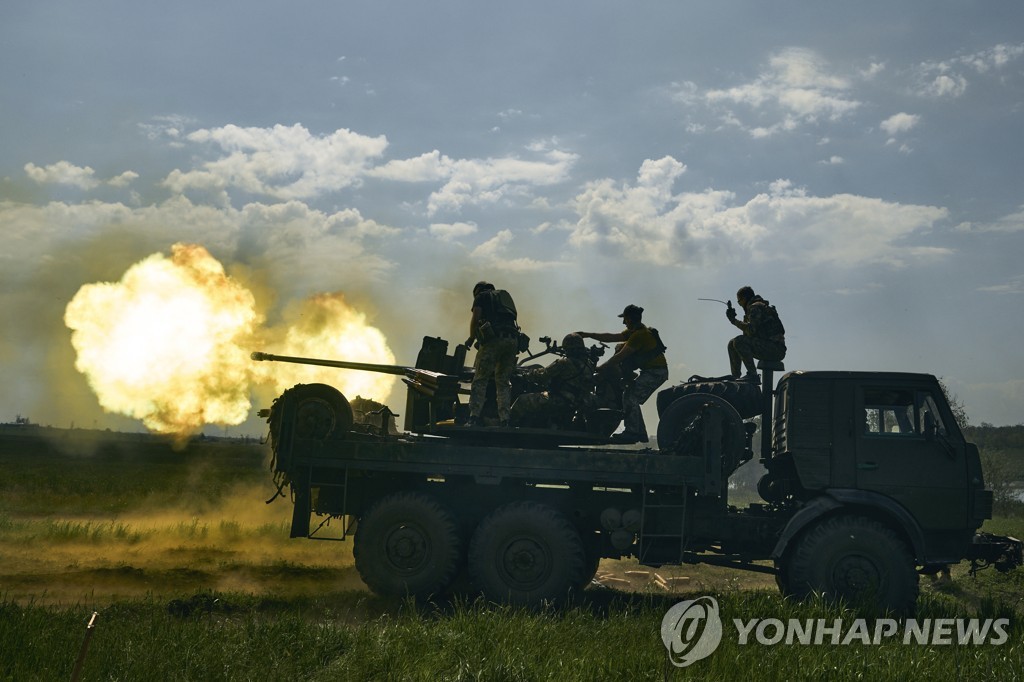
pixel 340 364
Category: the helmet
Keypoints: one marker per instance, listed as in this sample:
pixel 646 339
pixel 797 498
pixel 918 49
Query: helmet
pixel 573 342
pixel 482 286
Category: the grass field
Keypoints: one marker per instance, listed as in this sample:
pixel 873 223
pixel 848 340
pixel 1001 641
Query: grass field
pixel 194 578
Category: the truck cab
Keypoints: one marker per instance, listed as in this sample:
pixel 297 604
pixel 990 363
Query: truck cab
pixel 882 446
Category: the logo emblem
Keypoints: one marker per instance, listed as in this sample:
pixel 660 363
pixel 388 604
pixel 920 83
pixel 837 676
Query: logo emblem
pixel 691 630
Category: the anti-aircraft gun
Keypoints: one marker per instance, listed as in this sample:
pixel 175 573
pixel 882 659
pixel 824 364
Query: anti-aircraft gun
pixel 433 406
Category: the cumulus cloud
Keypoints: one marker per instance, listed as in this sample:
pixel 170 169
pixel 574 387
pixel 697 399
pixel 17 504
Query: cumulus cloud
pixel 900 123
pixel 299 249
pixel 63 173
pixel 452 231
pixel 289 163
pixel 947 78
pixel 284 162
pixel 647 222
pixel 1013 222
pixel 66 173
pixel 489 181
pixel 796 87
pixel 493 254
pixel 432 166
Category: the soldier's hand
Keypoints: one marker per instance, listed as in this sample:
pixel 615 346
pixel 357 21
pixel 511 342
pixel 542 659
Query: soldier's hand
pixel 469 342
pixel 730 313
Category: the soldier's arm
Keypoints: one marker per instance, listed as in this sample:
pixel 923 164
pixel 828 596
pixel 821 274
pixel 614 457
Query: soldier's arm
pixel 617 359
pixel 605 336
pixel 473 322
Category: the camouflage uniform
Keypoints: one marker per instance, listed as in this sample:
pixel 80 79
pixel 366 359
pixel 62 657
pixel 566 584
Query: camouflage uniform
pixel 495 359
pixel 570 386
pixel 764 338
pixel 497 335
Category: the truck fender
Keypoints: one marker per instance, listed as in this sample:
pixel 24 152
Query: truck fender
pixel 834 498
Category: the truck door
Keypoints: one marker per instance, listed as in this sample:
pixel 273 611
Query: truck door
pixel 903 451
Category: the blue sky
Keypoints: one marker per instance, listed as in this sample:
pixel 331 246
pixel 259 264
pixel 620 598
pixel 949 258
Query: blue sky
pixel 859 164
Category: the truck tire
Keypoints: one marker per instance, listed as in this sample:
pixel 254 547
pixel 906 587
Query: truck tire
pixel 407 544
pixel 744 396
pixel 854 559
pixel 675 434
pixel 526 553
pixel 320 411
pixel 591 565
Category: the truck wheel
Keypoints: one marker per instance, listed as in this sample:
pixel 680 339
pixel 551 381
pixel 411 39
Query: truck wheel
pixel 591 565
pixel 407 544
pixel 526 553
pixel 320 410
pixel 854 559
pixel 677 430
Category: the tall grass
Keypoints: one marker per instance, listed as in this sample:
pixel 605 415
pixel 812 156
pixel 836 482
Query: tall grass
pixel 353 637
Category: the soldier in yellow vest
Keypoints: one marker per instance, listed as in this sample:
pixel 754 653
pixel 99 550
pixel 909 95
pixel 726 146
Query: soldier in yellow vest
pixel 642 350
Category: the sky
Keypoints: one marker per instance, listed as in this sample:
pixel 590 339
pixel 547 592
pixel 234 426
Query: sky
pixel 858 164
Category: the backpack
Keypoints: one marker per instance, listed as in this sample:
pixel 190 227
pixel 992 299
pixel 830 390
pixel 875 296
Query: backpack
pixel 771 326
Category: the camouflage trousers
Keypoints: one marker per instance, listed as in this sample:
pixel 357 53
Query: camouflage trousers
pixel 637 394
pixel 494 360
pixel 743 349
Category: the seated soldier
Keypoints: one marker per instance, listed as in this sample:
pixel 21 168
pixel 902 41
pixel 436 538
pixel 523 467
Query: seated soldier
pixel 568 385
pixel 763 337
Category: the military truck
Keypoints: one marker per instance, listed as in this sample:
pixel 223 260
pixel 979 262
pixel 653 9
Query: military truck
pixel 869 483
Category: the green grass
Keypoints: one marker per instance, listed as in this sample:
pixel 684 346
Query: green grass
pixel 194 578
pixel 352 637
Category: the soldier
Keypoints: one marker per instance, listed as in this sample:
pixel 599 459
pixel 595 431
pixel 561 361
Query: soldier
pixel 642 349
pixel 763 336
pixel 568 384
pixel 496 332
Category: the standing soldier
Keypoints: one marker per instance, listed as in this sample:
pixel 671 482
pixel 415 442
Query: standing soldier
pixel 642 349
pixel 763 336
pixel 568 386
pixel 496 332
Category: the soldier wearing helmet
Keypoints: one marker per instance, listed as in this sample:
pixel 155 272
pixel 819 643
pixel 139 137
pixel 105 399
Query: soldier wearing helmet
pixel 567 386
pixel 495 330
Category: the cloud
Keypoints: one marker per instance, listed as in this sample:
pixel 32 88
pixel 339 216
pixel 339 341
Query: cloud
pixel 833 161
pixel 489 181
pixel 63 173
pixel 300 249
pixel 1013 222
pixel 452 231
pixel 289 163
pixel 1015 285
pixel 647 222
pixel 283 162
pixel 170 128
pixel 795 88
pixel 492 254
pixel 899 123
pixel 947 78
pixel 124 179
pixel 431 166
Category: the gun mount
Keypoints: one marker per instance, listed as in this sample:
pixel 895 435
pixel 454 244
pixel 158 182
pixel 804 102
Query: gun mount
pixel 435 385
